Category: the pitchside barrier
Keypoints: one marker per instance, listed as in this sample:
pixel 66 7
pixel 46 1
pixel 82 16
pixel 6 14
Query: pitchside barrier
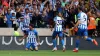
pixel 10 42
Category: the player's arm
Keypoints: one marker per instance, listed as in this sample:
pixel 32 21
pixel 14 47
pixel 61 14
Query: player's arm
pixel 25 36
pixel 78 22
pixel 38 40
pixel 51 27
pixel 45 2
pixel 37 36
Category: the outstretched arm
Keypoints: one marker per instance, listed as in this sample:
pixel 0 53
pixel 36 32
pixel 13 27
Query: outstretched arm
pixel 25 36
pixel 38 38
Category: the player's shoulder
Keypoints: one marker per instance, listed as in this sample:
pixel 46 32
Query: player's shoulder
pixel 27 30
pixel 58 18
pixel 83 13
pixel 55 17
pixel 79 14
pixel 34 30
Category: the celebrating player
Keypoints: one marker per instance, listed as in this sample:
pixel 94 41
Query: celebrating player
pixel 23 25
pixel 82 29
pixel 58 31
pixel 31 35
pixel 20 23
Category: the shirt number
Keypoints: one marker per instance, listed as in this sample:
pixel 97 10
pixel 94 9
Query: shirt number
pixel 59 22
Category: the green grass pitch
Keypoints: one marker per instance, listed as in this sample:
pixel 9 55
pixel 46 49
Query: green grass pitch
pixel 49 53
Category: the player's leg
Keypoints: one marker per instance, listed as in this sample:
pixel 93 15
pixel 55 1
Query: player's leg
pixel 27 46
pixel 89 38
pixel 77 42
pixel 54 41
pixel 62 40
pixel 34 46
pixel 31 48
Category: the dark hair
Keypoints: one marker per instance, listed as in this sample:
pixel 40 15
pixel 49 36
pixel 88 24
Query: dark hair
pixel 31 25
pixel 57 13
pixel 26 9
pixel 21 17
pixel 80 8
pixel 66 4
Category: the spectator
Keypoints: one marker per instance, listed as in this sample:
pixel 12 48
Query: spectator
pixel 18 13
pixel 36 18
pixel 2 20
pixel 13 19
pixel 91 3
pixel 59 8
pixel 33 21
pixel 0 2
pixel 42 4
pixel 66 14
pixel 50 13
pixel 44 19
pixel 9 16
pixel 63 3
pixel 41 12
pixel 22 11
pixel 52 3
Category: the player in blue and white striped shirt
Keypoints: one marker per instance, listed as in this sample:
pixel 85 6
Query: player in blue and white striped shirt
pixel 22 24
pixel 82 29
pixel 58 30
pixel 31 35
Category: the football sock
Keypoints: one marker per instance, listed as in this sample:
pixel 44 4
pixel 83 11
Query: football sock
pixel 54 43
pixel 77 43
pixel 88 39
pixel 62 42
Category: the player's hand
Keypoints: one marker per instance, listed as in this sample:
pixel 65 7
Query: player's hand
pixel 72 22
pixel 38 43
pixel 51 29
pixel 72 28
pixel 20 39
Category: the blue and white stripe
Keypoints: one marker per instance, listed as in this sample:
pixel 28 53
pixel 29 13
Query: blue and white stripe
pixel 22 13
pixel 30 14
pixel 31 37
pixel 82 26
pixel 58 28
pixel 24 26
pixel 31 40
pixel 58 24
pixel 82 17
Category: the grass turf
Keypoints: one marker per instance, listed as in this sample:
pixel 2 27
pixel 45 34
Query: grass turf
pixel 49 53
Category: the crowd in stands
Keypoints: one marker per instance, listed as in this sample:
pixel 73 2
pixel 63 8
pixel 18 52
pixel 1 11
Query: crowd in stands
pixel 41 12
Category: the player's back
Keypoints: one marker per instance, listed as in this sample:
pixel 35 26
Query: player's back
pixel 82 17
pixel 58 23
